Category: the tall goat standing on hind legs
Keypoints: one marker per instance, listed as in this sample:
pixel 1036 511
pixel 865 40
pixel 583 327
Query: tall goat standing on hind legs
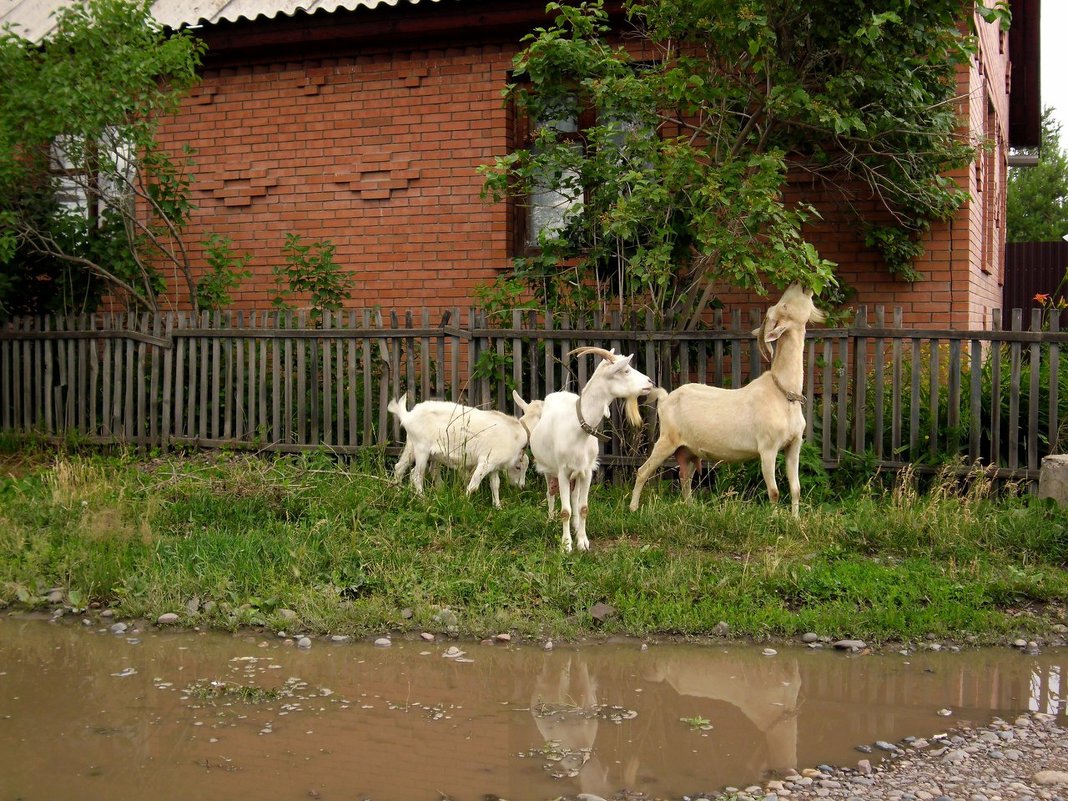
pixel 734 425
pixel 564 442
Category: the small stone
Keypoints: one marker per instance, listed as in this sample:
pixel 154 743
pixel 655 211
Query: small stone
pixel 192 606
pixel 167 619
pixel 548 645
pixel 118 628
pixel 452 652
pixel 721 629
pixel 1019 643
pixel 602 611
pixel 864 767
pixel 503 637
pixel 108 613
pixel 426 636
pixel 863 748
pixel 383 642
pixel 769 652
pixel 850 645
pixel 1049 778
pixel 883 745
pixel 55 597
pixel 304 642
pixel 407 614
pixel 340 638
pixel 810 636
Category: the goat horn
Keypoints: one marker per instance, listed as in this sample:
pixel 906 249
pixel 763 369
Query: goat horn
pixel 607 355
pixel 762 344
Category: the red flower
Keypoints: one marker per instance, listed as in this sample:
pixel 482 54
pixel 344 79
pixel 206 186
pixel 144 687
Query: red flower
pixel 1042 297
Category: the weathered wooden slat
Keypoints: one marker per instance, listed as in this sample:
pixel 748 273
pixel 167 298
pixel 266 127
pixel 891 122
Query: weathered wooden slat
pixel 368 397
pixel 828 400
pixel 995 399
pixel 205 353
pixel 182 374
pixel 139 425
pixel 49 382
pixel 954 391
pixel 325 351
pixel 860 383
pixel 301 385
pixel 933 404
pixel 914 401
pixel 92 426
pixel 1055 403
pixel 388 352
pixel 169 384
pixel 1015 369
pixel 879 390
pixel 1033 393
pixel 353 437
pixel 280 387
pixel 975 404
pixel 843 394
pixel 155 361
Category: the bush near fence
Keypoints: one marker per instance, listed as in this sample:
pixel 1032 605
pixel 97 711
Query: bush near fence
pixel 277 382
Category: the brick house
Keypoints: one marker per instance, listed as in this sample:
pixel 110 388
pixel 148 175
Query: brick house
pixel 363 123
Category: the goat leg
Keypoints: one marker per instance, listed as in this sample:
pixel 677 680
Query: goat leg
pixel 661 451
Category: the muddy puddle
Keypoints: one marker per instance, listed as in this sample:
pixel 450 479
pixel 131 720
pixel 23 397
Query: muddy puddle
pixel 85 714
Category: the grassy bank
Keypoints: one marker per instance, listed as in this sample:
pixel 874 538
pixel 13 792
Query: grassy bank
pixel 240 538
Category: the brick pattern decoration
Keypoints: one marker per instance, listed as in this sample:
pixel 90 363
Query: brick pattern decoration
pixel 378 151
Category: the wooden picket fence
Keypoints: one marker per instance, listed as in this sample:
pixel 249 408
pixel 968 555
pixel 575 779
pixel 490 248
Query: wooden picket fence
pixel 277 382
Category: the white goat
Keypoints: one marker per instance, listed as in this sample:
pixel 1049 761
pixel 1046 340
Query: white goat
pixel 733 425
pixel 564 442
pixel 482 441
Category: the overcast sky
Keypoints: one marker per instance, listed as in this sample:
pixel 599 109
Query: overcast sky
pixel 1054 69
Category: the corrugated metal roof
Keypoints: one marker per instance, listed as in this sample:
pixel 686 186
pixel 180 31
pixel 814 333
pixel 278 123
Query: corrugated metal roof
pixel 33 19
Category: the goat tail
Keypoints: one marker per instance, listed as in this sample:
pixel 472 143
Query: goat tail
pixel 399 407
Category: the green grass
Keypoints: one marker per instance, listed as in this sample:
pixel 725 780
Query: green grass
pixel 247 537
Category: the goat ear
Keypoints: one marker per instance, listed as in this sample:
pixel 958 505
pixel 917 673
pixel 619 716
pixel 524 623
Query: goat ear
pixel 774 333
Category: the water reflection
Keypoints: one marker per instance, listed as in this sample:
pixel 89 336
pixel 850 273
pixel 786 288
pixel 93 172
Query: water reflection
pixel 173 716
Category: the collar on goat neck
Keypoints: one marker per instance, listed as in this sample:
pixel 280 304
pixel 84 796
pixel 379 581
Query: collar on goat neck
pixel 593 432
pixel 790 345
pixel 792 397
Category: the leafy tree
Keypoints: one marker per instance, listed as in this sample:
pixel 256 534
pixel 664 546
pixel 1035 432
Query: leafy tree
pixel 678 180
pixel 89 201
pixel 1037 202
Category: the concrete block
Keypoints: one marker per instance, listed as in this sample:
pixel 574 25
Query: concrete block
pixel 1053 478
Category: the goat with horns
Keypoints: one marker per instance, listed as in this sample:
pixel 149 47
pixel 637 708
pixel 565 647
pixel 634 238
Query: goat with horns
pixel 565 442
pixel 734 425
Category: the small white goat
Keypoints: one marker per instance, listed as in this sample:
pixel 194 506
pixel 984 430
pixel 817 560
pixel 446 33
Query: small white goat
pixel 733 425
pixel 482 441
pixel 564 442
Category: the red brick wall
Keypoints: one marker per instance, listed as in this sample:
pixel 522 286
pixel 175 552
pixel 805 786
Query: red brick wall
pixel 378 152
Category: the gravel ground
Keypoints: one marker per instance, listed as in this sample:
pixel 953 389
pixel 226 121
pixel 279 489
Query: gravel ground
pixel 1021 760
